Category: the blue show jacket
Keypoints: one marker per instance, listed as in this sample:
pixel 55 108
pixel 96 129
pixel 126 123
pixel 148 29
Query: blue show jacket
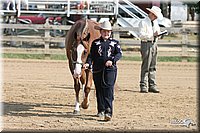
pixel 102 51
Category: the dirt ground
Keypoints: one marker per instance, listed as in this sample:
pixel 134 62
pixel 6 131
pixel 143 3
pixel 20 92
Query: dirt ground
pixel 39 95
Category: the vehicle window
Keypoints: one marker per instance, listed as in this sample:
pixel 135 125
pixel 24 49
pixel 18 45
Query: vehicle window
pixel 126 15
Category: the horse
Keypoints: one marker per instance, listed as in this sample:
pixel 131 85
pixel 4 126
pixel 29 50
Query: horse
pixel 78 43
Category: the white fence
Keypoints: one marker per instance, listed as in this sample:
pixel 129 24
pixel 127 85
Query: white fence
pixel 46 38
pixel 69 7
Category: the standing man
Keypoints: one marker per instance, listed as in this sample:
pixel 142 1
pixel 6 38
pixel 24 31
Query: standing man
pixel 149 30
pixel 105 52
pixel 9 4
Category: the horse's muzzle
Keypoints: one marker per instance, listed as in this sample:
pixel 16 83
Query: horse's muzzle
pixel 76 76
pixel 77 71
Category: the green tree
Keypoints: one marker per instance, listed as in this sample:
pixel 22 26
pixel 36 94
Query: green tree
pixel 193 7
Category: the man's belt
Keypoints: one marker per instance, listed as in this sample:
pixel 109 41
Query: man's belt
pixel 147 41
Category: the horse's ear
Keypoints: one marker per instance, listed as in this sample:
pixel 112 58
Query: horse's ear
pixel 75 35
pixel 87 38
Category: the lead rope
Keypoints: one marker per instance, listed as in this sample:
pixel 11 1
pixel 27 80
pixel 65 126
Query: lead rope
pixel 103 77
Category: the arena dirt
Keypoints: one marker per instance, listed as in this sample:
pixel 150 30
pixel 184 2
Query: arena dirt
pixel 39 95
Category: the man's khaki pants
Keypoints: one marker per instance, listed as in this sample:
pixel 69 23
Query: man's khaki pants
pixel 148 68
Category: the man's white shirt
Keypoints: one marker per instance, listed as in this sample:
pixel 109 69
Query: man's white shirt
pixel 146 30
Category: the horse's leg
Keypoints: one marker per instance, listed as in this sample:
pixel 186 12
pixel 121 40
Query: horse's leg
pixel 77 89
pixel 83 82
pixel 87 88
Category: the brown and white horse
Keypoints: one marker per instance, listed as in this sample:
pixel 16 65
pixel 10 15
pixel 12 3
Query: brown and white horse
pixel 78 42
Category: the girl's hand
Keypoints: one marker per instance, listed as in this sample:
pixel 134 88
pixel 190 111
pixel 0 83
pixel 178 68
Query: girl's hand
pixel 86 66
pixel 108 63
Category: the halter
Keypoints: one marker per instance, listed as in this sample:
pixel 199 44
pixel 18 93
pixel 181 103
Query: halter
pixel 85 31
pixel 75 62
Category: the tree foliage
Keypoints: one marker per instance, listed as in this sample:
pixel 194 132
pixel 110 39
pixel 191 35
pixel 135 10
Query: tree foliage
pixel 194 5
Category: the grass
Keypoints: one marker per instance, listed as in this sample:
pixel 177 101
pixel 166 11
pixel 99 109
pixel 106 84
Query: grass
pixel 23 56
pixel 33 56
pixel 179 37
pixel 63 57
pixel 163 58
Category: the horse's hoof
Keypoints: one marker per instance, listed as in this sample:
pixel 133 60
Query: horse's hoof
pixel 84 106
pixel 76 112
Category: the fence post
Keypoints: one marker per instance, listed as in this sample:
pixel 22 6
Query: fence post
pixel 184 46
pixel 46 42
pixel 116 33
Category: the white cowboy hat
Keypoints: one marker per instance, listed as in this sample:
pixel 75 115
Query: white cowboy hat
pixel 106 25
pixel 156 11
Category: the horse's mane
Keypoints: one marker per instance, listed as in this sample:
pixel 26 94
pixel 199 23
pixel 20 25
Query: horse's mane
pixel 79 27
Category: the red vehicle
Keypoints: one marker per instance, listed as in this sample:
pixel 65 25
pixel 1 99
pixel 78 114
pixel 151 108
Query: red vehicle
pixel 40 19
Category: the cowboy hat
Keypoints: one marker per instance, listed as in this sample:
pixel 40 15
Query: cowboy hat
pixel 106 25
pixel 156 11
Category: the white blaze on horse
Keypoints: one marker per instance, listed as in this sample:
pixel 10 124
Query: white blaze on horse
pixel 78 43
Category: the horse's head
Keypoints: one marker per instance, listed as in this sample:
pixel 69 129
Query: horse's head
pixel 78 42
pixel 80 49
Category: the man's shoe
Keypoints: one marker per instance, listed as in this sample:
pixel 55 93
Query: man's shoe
pixel 143 90
pixel 154 90
pixel 107 117
pixel 100 114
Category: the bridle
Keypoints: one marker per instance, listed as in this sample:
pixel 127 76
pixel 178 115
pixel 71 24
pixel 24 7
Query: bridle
pixel 75 62
pixel 84 32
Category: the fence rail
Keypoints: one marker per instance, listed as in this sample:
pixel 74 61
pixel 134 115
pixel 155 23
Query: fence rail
pixel 67 7
pixel 45 39
pixel 188 29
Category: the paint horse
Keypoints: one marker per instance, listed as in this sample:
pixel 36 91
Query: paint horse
pixel 78 43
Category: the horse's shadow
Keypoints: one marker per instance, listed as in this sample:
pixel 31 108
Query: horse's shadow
pixel 62 87
pixel 45 110
pixel 126 90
